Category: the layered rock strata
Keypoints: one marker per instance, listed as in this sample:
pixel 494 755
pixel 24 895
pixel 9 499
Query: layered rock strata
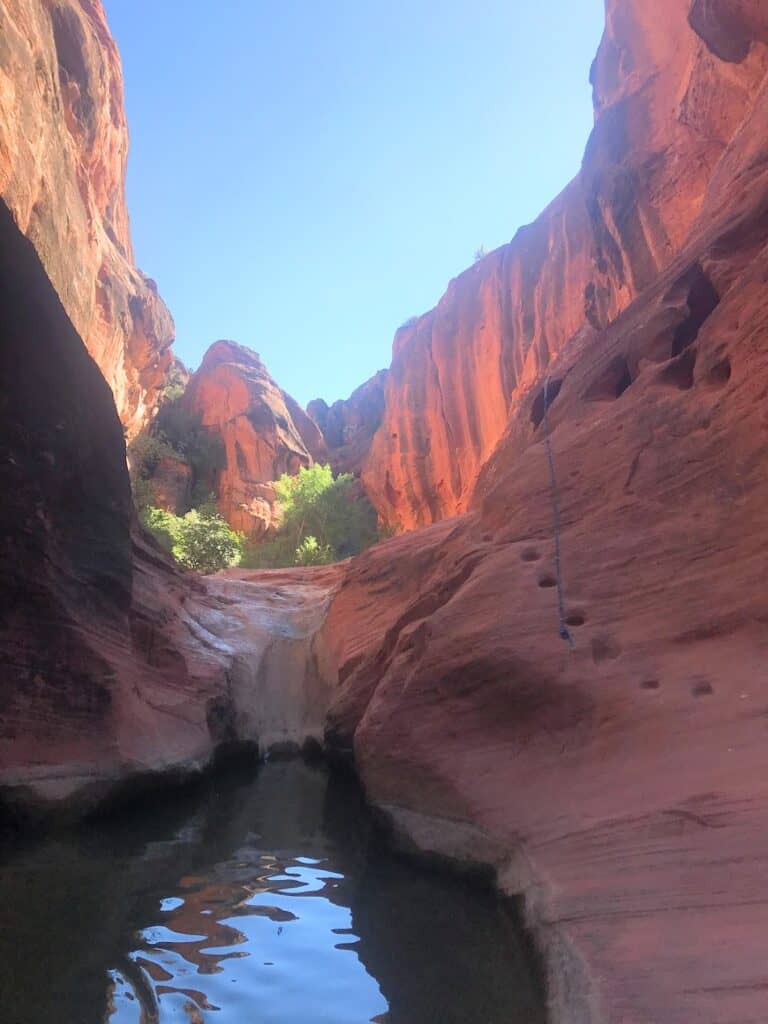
pixel 667 106
pixel 63 152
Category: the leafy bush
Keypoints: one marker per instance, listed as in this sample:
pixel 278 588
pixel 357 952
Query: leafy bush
pixel 309 552
pixel 145 453
pixel 178 434
pixel 324 520
pixel 200 541
pixel 183 430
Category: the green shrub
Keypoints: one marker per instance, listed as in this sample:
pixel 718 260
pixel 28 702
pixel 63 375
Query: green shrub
pixel 145 453
pixel 178 434
pixel 309 552
pixel 324 520
pixel 200 541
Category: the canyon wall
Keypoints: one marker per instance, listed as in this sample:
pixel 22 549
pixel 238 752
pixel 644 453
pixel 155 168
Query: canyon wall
pixel 114 665
pixel 63 152
pixel 617 782
pixel 264 433
pixel 666 108
pixel 349 426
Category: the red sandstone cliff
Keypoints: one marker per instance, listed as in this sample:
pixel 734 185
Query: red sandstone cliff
pixel 348 426
pixel 666 109
pixel 619 785
pixel 63 151
pixel 113 665
pixel 265 433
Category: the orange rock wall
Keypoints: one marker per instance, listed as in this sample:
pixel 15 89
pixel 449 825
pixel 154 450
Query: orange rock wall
pixel 618 784
pixel 666 108
pixel 265 433
pixel 63 152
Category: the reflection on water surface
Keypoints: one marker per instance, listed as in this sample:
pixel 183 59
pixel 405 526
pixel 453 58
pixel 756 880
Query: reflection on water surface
pixel 259 900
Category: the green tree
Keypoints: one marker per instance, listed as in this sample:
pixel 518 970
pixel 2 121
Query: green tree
pixel 200 541
pixel 325 519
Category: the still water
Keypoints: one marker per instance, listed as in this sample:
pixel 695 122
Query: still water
pixel 265 899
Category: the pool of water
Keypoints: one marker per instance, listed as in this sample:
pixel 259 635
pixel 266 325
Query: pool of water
pixel 264 898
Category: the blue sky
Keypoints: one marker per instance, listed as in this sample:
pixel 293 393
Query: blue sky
pixel 307 174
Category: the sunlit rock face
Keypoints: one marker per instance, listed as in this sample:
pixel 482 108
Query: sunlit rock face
pixel 666 108
pixel 618 782
pixel 63 150
pixel 349 425
pixel 264 432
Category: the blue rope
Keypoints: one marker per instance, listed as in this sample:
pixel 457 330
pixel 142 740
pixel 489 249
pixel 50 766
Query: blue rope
pixel 565 633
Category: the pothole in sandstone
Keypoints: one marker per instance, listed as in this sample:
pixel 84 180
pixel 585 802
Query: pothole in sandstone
pixel 702 689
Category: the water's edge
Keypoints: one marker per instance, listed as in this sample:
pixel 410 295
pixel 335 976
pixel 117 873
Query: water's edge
pixel 403 960
pixel 445 845
pixel 463 848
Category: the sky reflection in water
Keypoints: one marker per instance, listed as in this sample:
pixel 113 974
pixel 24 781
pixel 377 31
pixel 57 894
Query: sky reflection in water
pixel 261 900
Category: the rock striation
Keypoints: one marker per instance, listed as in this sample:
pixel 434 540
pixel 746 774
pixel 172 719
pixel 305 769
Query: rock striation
pixel 264 433
pixel 616 784
pixel 349 426
pixel 666 109
pixel 114 665
pixel 63 151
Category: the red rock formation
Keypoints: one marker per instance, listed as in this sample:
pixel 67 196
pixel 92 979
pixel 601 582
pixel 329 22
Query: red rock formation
pixel 114 665
pixel 63 150
pixel 618 785
pixel 348 426
pixel 666 108
pixel 264 431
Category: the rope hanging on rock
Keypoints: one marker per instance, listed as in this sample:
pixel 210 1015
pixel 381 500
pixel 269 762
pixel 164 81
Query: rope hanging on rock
pixel 565 633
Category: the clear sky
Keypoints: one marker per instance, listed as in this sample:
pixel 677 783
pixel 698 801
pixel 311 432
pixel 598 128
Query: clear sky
pixel 307 174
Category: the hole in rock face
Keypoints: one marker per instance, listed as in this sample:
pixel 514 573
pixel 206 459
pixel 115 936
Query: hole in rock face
pixel 703 299
pixel 605 649
pixel 720 373
pixel 576 619
pixel 612 383
pixel 531 555
pixel 547 582
pixel 721 28
pixel 69 38
pixel 702 689
pixel 538 410
pixel 679 373
pixel 650 684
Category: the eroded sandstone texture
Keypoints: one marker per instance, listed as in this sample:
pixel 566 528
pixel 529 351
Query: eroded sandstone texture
pixel 63 150
pixel 112 664
pixel 348 426
pixel 620 785
pixel 666 108
pixel 265 433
